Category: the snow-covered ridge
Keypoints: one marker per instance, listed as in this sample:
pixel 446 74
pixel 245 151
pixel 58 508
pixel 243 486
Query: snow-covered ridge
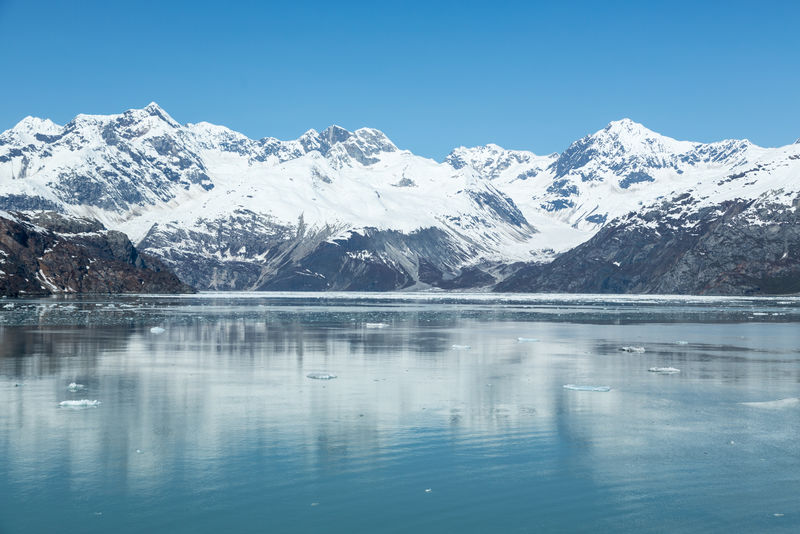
pixel 181 188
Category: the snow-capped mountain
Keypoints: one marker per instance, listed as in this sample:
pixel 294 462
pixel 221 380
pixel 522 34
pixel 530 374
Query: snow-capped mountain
pixel 350 210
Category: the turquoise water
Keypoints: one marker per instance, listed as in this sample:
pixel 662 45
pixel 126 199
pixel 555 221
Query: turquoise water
pixel 214 426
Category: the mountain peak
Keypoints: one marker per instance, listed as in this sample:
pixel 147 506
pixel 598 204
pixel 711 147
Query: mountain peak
pixel 334 134
pixel 33 125
pixel 627 128
pixel 154 110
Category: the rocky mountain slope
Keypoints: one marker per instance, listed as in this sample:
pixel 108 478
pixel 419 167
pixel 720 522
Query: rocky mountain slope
pixel 46 253
pixel 350 211
pixel 715 250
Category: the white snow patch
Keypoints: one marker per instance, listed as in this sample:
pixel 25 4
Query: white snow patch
pixel 633 349
pixel 84 403
pixel 789 402
pixel 575 387
pixel 664 370
pixel 321 376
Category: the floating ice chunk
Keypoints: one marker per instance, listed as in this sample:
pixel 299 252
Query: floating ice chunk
pixel 83 403
pixel 428 490
pixel 74 386
pixel 157 330
pixel 375 325
pixel 632 349
pixel 681 342
pixel 774 405
pixel 664 370
pixel 461 347
pixel 575 387
pixel 527 339
pixel 321 376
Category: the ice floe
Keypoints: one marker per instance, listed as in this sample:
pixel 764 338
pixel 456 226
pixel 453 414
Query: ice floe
pixel 157 330
pixel 461 347
pixel 775 404
pixel 681 342
pixel 527 339
pixel 664 370
pixel 74 386
pixel 632 349
pixel 575 387
pixel 83 403
pixel 375 325
pixel 321 376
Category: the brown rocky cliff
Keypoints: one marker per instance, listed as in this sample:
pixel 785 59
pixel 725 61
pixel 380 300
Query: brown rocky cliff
pixel 44 253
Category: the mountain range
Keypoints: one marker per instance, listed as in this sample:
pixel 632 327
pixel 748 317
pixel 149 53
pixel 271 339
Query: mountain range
pixel 621 210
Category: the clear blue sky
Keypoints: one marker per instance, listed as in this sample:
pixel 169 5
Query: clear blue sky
pixel 432 75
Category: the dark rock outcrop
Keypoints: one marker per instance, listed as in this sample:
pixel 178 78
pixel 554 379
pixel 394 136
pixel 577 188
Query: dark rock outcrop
pixel 44 253
pixel 734 248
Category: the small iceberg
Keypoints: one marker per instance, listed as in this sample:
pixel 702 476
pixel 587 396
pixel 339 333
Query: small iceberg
pixel 375 325
pixel 74 386
pixel 774 405
pixel 664 370
pixel 157 330
pixel 681 342
pixel 575 387
pixel 632 349
pixel 461 347
pixel 84 403
pixel 527 339
pixel 321 376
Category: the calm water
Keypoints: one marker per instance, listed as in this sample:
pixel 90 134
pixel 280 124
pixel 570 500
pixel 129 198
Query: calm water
pixel 214 426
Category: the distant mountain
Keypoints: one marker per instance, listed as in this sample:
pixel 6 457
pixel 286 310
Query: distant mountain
pixel 349 210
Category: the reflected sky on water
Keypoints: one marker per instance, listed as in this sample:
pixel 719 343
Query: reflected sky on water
pixel 214 424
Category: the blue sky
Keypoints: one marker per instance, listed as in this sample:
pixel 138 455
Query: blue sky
pixel 432 75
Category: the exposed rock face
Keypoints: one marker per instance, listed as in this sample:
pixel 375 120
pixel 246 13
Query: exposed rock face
pixel 45 253
pixel 734 248
pixel 297 258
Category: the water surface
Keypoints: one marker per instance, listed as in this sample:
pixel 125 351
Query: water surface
pixel 439 419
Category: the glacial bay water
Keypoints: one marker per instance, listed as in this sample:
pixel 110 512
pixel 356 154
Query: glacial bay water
pixel 399 413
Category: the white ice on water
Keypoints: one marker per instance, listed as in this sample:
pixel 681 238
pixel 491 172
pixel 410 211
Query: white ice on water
pixel 775 404
pixel 461 347
pixel 74 386
pixel 83 403
pixel 632 349
pixel 157 330
pixel 527 339
pixel 321 376
pixel 375 325
pixel 575 387
pixel 664 370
